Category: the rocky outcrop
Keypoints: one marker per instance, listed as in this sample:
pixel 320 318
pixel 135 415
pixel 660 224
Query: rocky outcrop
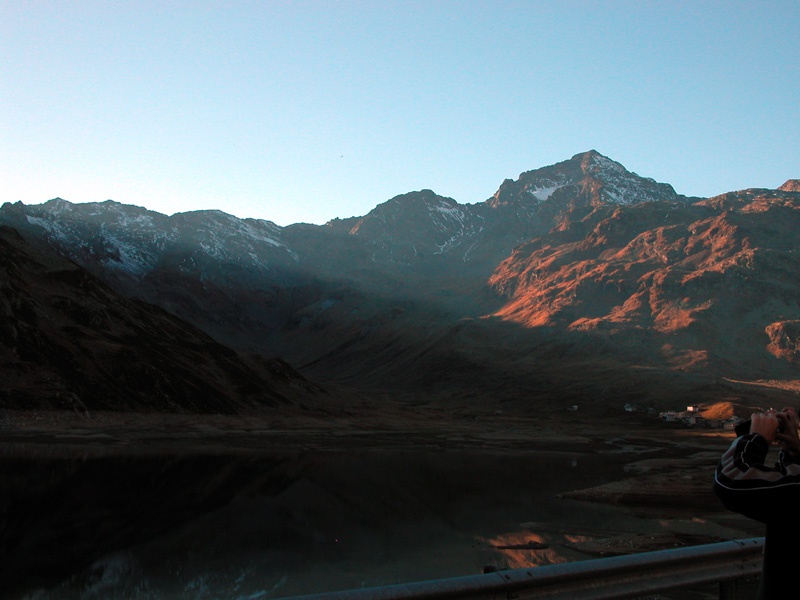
pixel 602 179
pixel 792 185
pixel 695 284
pixel 784 340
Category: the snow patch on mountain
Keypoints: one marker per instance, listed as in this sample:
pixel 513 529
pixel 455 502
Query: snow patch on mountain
pixel 453 223
pixel 606 166
pixel 544 193
pixel 453 212
pixel 132 240
pixel 261 233
pixel 622 186
pixel 43 223
pixel 130 257
pixel 137 222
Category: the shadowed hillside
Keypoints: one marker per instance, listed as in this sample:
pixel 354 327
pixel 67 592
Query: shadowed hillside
pixel 68 341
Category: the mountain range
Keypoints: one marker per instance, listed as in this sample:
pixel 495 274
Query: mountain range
pixel 576 283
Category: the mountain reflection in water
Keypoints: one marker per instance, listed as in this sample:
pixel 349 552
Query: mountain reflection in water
pixel 268 525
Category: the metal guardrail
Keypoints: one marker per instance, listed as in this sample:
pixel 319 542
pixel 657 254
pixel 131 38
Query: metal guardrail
pixel 617 577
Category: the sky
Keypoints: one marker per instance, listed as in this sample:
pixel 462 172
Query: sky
pixel 301 111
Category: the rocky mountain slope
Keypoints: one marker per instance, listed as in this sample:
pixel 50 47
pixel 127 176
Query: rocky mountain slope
pixel 793 185
pixel 68 341
pixel 712 285
pixel 413 228
pixel 230 276
pixel 577 280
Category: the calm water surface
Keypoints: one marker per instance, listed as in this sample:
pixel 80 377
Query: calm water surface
pixel 269 525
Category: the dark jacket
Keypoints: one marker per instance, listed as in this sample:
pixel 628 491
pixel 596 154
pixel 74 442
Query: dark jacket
pixel 771 495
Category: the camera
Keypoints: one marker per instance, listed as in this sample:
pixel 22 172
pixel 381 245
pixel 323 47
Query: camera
pixel 744 427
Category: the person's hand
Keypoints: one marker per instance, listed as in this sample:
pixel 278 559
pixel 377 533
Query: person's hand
pixel 787 434
pixel 765 424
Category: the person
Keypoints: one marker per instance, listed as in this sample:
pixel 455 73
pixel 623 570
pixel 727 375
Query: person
pixel 769 494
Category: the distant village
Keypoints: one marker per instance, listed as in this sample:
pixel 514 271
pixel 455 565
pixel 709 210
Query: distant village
pixel 690 417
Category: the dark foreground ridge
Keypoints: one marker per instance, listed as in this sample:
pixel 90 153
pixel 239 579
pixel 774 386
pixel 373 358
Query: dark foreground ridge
pixel 68 341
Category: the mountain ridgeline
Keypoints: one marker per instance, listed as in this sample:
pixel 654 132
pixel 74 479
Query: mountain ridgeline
pixel 577 283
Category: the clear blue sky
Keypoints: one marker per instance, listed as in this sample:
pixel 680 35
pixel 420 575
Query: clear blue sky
pixel 304 111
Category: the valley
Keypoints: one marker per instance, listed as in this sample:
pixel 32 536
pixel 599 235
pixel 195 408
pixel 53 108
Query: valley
pixel 579 282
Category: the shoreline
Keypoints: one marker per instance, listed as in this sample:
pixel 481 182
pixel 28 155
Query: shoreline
pixel 150 433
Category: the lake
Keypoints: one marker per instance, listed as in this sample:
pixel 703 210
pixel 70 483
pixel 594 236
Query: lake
pixel 269 524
